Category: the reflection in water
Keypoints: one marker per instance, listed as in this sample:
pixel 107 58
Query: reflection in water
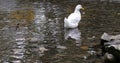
pixel 74 34
pixel 16 44
pixel 44 24
pixel 40 13
pixel 46 32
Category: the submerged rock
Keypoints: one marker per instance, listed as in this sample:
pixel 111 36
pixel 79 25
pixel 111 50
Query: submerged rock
pixel 110 48
pixel 43 49
pixel 112 55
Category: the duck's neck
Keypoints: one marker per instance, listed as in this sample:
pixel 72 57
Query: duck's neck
pixel 76 11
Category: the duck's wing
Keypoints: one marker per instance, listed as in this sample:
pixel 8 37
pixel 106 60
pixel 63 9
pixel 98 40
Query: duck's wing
pixel 73 17
pixel 66 24
pixel 65 19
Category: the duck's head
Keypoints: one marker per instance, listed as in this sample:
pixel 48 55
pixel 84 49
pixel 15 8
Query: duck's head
pixel 78 7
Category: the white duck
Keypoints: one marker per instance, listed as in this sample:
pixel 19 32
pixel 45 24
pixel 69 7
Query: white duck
pixel 74 18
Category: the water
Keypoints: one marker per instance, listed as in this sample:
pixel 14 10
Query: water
pixel 32 31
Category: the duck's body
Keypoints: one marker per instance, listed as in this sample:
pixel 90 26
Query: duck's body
pixel 73 19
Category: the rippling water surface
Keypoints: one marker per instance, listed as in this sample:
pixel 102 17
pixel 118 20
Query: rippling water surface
pixel 32 31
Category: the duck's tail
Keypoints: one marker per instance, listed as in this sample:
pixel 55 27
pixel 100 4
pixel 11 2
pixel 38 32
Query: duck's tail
pixel 65 22
pixel 65 19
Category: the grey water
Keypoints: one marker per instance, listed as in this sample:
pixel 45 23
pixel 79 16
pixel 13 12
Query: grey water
pixel 32 31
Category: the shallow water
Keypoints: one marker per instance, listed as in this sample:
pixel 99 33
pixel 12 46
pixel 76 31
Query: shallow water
pixel 32 31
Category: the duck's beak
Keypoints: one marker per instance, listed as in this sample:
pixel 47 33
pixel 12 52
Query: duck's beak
pixel 82 8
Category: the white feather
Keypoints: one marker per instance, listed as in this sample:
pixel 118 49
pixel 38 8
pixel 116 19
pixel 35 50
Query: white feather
pixel 73 19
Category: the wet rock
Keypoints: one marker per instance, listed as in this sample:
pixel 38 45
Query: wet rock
pixel 118 14
pixel 43 49
pixel 105 36
pixel 108 56
pixel 92 52
pixel 93 37
pixel 33 39
pixel 85 57
pixel 61 47
pixel 84 47
pixel 16 61
pixel 112 55
pixel 20 39
pixel 110 48
pixel 108 37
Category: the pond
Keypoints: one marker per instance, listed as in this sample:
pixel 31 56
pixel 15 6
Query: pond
pixel 32 31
